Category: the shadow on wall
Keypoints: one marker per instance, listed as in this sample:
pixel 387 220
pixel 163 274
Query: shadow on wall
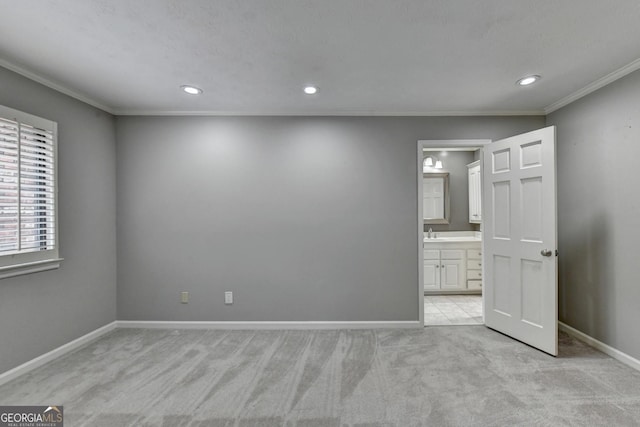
pixel 585 270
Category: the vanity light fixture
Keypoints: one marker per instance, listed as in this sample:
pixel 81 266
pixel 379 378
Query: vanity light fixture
pixel 310 90
pixel 428 163
pixel 528 80
pixel 191 90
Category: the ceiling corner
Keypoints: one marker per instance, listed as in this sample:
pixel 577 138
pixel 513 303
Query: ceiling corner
pixel 55 86
pixel 592 87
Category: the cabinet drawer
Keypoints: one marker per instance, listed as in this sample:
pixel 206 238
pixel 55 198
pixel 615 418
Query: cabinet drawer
pixel 474 264
pixel 474 253
pixel 474 284
pixel 474 274
pixel 451 254
pixel 431 254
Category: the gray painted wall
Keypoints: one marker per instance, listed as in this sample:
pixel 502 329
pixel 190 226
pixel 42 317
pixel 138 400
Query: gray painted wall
pixel 303 218
pixel 42 311
pixel 455 162
pixel 599 213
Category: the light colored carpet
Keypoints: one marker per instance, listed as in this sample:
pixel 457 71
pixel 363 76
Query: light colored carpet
pixel 436 376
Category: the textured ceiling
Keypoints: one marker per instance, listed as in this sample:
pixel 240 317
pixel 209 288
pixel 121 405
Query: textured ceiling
pixel 366 56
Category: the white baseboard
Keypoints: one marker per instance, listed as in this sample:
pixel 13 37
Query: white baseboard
pixel 267 325
pixel 32 364
pixel 599 345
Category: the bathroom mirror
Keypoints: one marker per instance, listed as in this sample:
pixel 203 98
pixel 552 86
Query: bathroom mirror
pixel 435 198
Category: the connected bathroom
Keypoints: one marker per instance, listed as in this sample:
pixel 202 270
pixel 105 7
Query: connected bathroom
pixel 452 235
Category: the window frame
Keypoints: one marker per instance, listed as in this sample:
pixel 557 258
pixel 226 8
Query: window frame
pixel 19 263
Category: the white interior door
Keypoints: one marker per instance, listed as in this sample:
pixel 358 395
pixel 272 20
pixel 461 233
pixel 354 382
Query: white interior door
pixel 520 239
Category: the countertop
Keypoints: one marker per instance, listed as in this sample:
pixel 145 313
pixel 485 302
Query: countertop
pixel 454 236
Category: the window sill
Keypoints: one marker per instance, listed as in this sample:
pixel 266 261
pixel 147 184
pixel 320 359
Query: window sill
pixel 29 267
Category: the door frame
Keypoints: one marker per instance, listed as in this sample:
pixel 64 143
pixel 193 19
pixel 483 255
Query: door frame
pixel 435 144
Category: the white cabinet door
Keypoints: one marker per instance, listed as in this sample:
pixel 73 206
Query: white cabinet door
pixel 477 185
pixel 451 271
pixel 475 193
pixel 431 274
pixel 472 195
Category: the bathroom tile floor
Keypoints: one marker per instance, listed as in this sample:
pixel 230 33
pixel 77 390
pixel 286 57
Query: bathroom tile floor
pixel 452 310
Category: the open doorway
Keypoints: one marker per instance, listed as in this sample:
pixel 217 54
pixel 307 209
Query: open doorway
pixel 518 235
pixel 451 240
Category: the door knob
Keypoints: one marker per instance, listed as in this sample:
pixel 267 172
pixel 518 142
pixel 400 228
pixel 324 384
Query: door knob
pixel 546 252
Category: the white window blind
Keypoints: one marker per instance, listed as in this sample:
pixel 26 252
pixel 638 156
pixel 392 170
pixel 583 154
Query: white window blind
pixel 27 187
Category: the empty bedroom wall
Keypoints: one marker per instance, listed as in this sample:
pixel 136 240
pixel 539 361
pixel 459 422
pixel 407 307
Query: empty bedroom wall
pixel 303 218
pixel 599 213
pixel 42 311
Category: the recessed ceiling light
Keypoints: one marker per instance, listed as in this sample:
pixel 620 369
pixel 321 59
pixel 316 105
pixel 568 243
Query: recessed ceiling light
pixel 528 80
pixel 191 90
pixel 310 90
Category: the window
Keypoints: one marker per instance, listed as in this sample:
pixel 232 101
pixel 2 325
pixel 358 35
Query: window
pixel 28 194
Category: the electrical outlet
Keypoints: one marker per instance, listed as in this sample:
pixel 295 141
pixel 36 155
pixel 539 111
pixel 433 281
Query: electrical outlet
pixel 184 297
pixel 228 297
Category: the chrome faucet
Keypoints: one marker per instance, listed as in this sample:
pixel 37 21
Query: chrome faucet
pixel 429 233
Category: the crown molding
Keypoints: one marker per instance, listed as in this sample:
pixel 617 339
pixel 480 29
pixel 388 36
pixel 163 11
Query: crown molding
pixel 592 87
pixel 55 86
pixel 134 112
pixel 600 83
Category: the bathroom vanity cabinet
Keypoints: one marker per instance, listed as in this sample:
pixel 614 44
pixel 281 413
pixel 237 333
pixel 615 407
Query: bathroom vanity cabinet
pixel 452 265
pixel 443 269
